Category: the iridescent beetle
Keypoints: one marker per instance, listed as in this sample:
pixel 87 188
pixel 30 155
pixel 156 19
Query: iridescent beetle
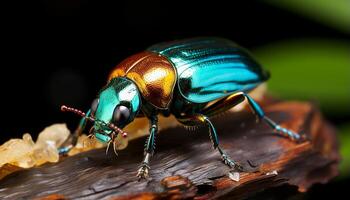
pixel 192 79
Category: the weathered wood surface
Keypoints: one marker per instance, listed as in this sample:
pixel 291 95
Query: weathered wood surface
pixel 186 166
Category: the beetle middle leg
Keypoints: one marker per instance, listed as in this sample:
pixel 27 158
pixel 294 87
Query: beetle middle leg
pixel 200 118
pixel 149 149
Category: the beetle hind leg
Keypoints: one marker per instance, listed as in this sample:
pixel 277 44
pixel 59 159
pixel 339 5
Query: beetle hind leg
pixel 236 98
pixel 280 130
pixel 283 131
pixel 202 119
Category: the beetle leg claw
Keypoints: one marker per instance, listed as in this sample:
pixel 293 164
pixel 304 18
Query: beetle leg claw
pixel 288 133
pixel 142 173
pixel 231 163
pixel 64 150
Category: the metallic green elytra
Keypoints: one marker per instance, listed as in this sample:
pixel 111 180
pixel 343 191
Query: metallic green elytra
pixel 192 79
pixel 212 68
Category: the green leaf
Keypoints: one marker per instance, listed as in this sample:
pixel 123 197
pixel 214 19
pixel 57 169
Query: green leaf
pixel 344 138
pixel 334 13
pixel 317 70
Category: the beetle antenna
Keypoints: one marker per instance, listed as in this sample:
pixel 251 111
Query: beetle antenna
pixel 113 141
pixel 92 129
pixel 76 111
pixel 109 143
pixel 115 148
pixel 117 130
pixel 65 108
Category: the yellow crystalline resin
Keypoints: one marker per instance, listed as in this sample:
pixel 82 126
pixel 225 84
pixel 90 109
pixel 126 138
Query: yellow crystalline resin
pixel 85 143
pixel 53 135
pixel 47 143
pixel 18 152
pixel 25 153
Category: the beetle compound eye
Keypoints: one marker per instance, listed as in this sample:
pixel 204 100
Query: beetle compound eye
pixel 121 114
pixel 94 106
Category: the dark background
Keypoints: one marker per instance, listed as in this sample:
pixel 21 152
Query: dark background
pixel 60 51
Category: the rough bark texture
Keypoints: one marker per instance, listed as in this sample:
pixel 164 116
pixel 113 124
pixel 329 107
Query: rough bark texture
pixel 186 166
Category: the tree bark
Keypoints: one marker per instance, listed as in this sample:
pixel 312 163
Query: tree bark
pixel 186 166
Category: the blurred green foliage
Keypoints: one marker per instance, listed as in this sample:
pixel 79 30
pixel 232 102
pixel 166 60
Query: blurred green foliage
pixel 310 69
pixel 344 138
pixel 316 70
pixel 334 13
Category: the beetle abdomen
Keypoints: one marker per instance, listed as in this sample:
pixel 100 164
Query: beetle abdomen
pixel 211 68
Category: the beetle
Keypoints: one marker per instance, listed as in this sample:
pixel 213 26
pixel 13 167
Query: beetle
pixel 192 79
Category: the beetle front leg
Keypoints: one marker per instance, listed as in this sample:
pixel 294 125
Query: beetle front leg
pixel 149 149
pixel 199 118
pixel 72 139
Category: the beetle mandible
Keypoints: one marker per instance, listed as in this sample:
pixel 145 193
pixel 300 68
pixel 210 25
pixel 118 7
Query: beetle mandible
pixel 192 79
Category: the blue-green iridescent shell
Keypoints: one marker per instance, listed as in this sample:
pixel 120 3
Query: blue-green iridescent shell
pixel 211 68
pixel 119 91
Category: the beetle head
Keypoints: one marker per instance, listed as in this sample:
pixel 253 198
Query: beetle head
pixel 115 107
pixel 118 103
